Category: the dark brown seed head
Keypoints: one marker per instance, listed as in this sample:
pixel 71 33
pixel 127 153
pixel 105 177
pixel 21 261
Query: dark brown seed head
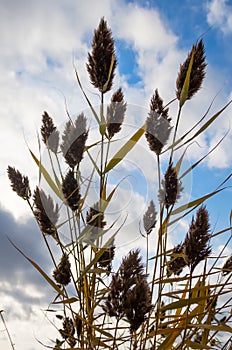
pixel 19 183
pixel 137 303
pixel 227 267
pixel 177 262
pixel 129 294
pixel 95 218
pixel 107 257
pixel 158 127
pixel 99 66
pixel 70 189
pixel 197 73
pixel 115 113
pixel 45 212
pixel 62 273
pixel 68 331
pixel 74 138
pixel 78 323
pixel 172 187
pixel 149 218
pixel 196 244
pixel 50 135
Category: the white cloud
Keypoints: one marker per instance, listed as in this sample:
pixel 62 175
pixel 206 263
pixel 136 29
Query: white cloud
pixel 220 15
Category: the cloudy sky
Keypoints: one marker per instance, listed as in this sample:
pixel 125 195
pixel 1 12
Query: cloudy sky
pixel 39 42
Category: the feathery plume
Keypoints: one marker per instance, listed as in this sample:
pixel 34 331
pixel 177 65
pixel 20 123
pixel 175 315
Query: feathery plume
pixel 196 244
pixel 70 189
pixel 129 294
pixel 115 113
pixel 177 262
pixel 19 183
pixel 172 187
pixel 68 331
pixel 106 258
pixel 74 138
pixel 197 73
pixel 95 219
pixel 158 127
pixel 45 212
pixel 62 273
pixel 149 218
pixel 50 135
pixel 102 62
pixel 137 303
pixel 227 267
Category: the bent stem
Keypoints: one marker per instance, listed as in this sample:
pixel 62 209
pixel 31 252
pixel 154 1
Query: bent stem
pixel 7 331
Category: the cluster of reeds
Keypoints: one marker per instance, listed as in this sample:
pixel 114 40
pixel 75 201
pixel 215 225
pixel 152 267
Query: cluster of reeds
pixel 155 300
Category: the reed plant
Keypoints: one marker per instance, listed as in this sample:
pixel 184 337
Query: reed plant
pixel 173 298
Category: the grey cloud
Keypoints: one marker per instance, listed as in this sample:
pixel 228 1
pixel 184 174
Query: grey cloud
pixel 16 273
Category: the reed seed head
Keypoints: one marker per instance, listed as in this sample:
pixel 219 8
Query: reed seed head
pixel 78 323
pixel 177 262
pixel 50 134
pixel 158 127
pixel 197 241
pixel 115 113
pixel 137 303
pixel 74 139
pixel 70 189
pixel 149 218
pixel 68 331
pixel 129 294
pixel 172 187
pixel 19 183
pixel 227 267
pixel 62 274
pixel 45 212
pixel 95 219
pixel 101 61
pixel 106 258
pixel 197 73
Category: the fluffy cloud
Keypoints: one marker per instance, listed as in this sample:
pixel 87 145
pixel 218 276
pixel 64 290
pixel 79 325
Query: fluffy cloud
pixel 220 15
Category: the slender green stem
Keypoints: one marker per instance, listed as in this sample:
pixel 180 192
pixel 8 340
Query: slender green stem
pixel 158 257
pixel 175 132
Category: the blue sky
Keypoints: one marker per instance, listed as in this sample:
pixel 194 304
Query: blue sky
pixel 38 42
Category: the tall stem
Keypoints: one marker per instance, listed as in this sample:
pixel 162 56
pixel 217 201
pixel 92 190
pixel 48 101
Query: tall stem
pixel 175 132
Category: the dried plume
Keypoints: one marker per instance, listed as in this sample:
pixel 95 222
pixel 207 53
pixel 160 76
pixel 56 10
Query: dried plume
pixel 158 127
pixel 227 267
pixel 19 183
pixel 129 294
pixel 68 331
pixel 172 187
pixel 177 262
pixel 137 303
pixel 107 257
pixel 45 212
pixel 62 273
pixel 149 218
pixel 73 141
pixel 71 190
pixel 197 241
pixel 115 113
pixel 95 219
pixel 99 66
pixel 197 73
pixel 50 134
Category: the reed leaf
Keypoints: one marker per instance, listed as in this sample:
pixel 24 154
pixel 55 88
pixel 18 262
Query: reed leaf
pixel 125 149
